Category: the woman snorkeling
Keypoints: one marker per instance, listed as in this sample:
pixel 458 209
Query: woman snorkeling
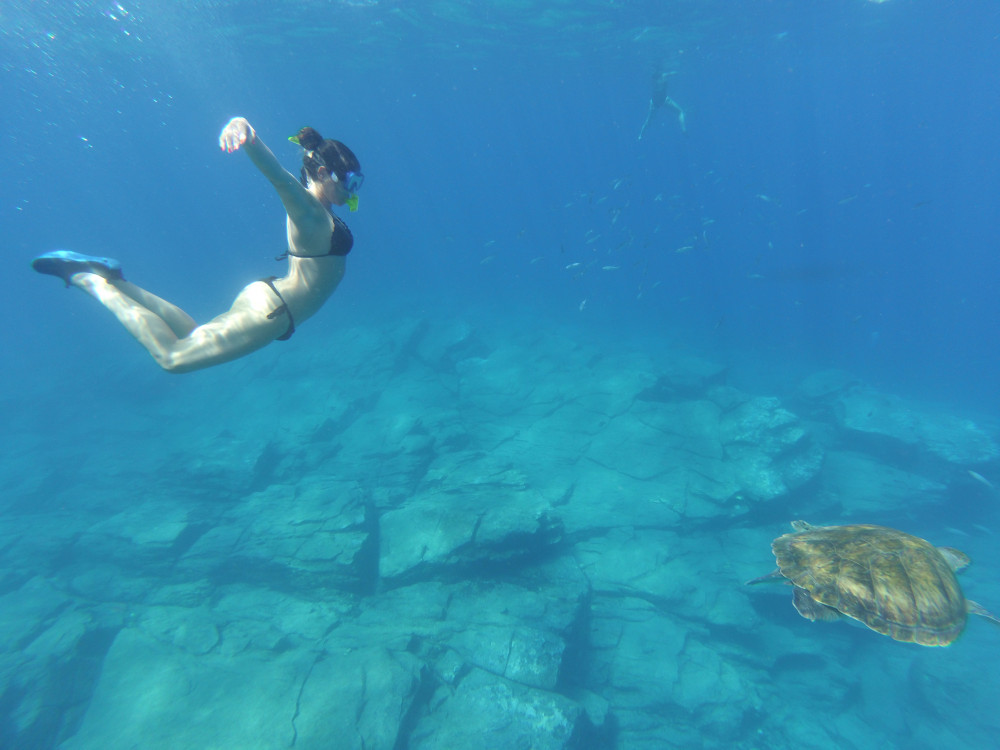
pixel 265 310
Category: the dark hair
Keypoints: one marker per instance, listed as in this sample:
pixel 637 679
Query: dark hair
pixel 320 152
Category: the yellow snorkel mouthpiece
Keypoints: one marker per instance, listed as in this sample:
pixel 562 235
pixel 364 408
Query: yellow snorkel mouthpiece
pixel 352 202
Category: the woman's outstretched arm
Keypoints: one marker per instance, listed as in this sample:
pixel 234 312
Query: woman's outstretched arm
pixel 300 206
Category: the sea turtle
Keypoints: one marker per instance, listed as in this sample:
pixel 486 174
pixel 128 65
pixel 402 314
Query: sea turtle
pixel 895 583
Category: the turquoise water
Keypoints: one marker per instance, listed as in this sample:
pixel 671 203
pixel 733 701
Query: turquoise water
pixel 510 481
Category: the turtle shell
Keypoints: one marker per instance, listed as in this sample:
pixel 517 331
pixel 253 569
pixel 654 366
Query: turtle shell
pixel 895 583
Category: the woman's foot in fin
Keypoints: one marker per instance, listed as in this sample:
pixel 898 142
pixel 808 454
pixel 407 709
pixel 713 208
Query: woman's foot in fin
pixel 65 263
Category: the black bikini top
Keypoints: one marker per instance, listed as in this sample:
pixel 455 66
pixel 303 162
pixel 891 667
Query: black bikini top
pixel 341 242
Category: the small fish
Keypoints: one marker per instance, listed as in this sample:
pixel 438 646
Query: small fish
pixel 535 260
pixel 610 268
pixel 618 183
pixel 487 259
pixel 982 480
pixel 490 242
pixel 848 199
pixel 571 266
pixel 583 305
pixel 768 199
pixel 684 249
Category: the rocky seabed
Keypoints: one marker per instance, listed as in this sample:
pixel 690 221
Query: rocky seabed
pixel 441 535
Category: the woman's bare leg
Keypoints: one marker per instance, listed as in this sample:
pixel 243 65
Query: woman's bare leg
pixel 179 321
pixel 148 328
pixel 246 327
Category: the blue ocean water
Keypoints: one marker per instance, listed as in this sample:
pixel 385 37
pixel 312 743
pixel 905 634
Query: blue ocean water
pixel 827 203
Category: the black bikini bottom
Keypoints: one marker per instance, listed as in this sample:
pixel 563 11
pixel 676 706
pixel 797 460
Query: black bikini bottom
pixel 283 308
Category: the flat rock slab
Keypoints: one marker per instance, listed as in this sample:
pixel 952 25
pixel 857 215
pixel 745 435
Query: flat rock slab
pixel 488 711
pixel 143 534
pixel 895 422
pixel 306 536
pixel 159 697
pixel 357 699
pixel 754 449
pixel 27 612
pixel 863 485
pixel 636 653
pixel 483 524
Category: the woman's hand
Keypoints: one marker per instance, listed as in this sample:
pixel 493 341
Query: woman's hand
pixel 235 134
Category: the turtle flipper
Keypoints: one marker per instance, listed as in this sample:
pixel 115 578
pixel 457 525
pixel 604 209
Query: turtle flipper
pixel 956 559
pixel 773 577
pixel 978 609
pixel 811 609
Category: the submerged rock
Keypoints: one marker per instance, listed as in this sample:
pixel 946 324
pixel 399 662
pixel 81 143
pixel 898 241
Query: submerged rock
pixel 861 485
pixel 162 697
pixel 464 539
pixel 698 459
pixel 504 715
pixel 482 514
pixel 148 534
pixel 50 657
pixel 313 535
pixel 895 428
pixel 771 451
pixel 357 699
